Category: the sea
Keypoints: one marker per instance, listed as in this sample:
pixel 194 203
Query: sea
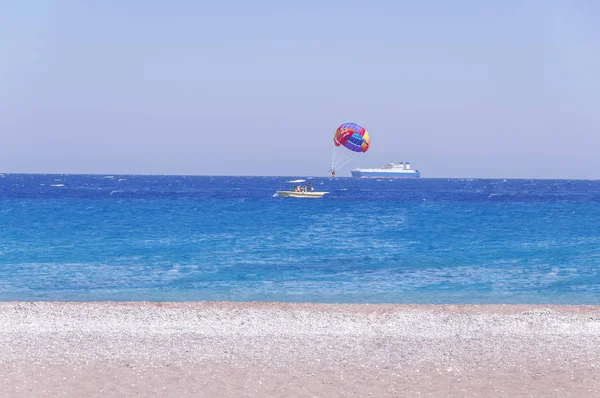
pixel 204 238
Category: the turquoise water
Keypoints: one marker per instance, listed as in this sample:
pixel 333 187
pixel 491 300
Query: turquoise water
pixel 73 237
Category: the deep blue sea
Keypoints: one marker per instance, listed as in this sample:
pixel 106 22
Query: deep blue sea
pixel 155 238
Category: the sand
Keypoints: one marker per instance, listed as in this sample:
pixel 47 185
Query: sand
pixel 300 350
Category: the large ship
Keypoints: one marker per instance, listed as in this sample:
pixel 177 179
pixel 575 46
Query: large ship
pixel 390 170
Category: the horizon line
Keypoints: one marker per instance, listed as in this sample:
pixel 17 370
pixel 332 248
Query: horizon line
pixel 2 174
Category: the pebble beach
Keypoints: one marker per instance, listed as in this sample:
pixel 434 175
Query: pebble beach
pixel 317 350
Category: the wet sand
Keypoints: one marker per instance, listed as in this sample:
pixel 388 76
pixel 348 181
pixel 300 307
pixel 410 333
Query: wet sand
pixel 303 350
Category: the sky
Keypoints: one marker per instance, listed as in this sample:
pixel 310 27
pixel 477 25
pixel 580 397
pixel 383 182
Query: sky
pixel 505 89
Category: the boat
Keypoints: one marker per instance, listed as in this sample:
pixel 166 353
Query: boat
pixel 298 190
pixel 390 170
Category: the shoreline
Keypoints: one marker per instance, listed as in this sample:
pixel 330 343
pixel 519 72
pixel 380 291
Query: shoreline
pixel 316 305
pixel 291 349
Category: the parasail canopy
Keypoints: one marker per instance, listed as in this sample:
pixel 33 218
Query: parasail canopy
pixel 349 139
pixel 353 137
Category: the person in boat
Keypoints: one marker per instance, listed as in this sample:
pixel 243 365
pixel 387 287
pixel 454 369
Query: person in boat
pixel 298 188
pixel 309 187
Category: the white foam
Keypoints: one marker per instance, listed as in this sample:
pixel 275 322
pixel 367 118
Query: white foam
pixel 57 185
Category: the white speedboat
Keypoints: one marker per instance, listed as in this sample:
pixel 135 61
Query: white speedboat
pixel 299 190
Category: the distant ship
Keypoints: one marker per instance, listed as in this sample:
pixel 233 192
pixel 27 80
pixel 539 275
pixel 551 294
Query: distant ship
pixel 390 170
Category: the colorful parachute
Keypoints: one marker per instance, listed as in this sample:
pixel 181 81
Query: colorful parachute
pixel 349 139
pixel 353 137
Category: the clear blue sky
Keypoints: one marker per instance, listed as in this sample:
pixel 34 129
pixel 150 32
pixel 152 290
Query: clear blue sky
pixel 459 88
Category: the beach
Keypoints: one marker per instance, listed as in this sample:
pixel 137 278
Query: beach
pixel 274 349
